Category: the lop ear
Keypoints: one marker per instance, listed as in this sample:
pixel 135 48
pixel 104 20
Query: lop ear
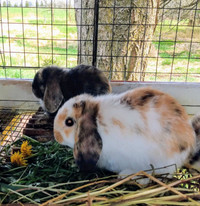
pixel 88 143
pixel 37 87
pixel 53 96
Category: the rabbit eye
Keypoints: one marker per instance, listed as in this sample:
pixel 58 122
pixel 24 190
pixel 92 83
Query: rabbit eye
pixel 69 122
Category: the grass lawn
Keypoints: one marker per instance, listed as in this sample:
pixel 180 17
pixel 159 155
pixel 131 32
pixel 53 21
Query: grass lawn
pixel 38 53
pixel 178 59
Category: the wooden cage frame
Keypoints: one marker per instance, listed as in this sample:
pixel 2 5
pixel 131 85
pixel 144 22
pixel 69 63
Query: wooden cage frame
pixel 18 94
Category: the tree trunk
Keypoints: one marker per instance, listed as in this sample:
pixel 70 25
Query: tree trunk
pixel 124 36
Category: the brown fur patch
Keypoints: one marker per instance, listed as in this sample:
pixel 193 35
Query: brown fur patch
pixel 170 107
pixel 186 134
pixel 67 131
pixel 83 107
pixel 92 108
pixel 140 97
pixel 100 119
pixel 183 147
pixel 75 151
pixel 175 119
pixel 182 136
pixel 58 136
pixel 76 136
pixel 101 122
pixel 172 116
pixel 78 108
pixel 62 117
pixel 118 123
pixel 88 143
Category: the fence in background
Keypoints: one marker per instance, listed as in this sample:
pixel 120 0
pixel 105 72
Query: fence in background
pixel 129 40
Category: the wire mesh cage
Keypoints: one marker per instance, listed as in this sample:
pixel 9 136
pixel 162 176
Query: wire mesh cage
pixel 148 41
pixel 12 124
pixel 128 40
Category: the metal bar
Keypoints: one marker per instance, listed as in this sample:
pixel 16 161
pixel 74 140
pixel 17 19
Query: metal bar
pixel 159 41
pixel 80 45
pixel 192 34
pixel 175 41
pixel 67 15
pixel 102 24
pixel 128 40
pixel 23 32
pixel 144 36
pixel 52 21
pixel 8 23
pixel 118 7
pixel 103 40
pixel 38 44
pixel 2 41
pixel 68 51
pixel 95 33
pixel 111 55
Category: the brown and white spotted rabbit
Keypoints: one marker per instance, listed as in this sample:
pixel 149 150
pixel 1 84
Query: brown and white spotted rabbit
pixel 126 133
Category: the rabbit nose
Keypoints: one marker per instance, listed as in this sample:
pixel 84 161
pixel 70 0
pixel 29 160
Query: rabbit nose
pixel 86 164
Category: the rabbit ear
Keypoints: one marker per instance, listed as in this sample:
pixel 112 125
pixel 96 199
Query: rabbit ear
pixel 88 143
pixel 37 87
pixel 53 96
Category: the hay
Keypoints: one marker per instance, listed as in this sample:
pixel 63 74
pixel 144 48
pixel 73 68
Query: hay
pixel 51 177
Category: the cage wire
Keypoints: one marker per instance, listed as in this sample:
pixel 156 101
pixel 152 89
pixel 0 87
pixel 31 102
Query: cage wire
pixel 129 40
pixel 12 123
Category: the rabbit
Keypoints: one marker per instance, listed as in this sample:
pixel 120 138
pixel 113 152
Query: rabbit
pixel 194 159
pixel 126 133
pixel 54 85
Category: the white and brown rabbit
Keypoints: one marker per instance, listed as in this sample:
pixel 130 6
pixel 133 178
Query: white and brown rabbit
pixel 54 85
pixel 127 132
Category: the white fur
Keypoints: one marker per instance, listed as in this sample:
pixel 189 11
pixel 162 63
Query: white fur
pixel 138 146
pixel 42 104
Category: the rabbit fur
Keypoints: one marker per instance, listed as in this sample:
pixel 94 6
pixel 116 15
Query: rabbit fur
pixel 54 85
pixel 126 133
pixel 194 159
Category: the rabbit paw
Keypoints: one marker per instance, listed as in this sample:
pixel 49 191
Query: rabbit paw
pixel 138 179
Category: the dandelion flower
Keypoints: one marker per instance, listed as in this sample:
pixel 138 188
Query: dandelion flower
pixel 26 149
pixel 18 159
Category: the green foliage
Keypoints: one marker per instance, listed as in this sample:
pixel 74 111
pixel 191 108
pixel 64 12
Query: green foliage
pixel 10 73
pixel 27 4
pixel 60 31
pixel 164 45
pixel 49 165
pixel 166 62
pixel 48 61
pixel 51 174
pixel 4 4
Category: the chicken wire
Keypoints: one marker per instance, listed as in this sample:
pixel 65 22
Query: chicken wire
pixel 119 37
pixel 129 40
pixel 12 123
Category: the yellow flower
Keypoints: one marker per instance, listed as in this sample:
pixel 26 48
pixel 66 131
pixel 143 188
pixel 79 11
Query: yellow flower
pixel 26 149
pixel 18 159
